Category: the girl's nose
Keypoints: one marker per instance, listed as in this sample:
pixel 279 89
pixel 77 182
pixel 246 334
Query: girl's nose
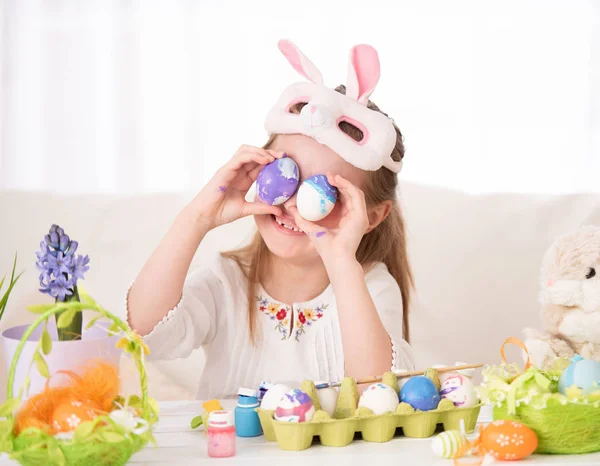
pixel 550 282
pixel 291 202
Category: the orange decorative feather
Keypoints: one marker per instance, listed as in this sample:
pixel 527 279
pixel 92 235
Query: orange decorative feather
pixel 97 387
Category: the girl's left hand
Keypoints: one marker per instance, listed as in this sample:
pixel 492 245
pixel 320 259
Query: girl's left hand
pixel 340 242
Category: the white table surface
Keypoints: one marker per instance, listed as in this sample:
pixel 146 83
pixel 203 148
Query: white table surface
pixel 178 444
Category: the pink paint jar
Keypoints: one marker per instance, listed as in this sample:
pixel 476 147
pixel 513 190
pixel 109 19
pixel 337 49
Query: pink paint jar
pixel 221 434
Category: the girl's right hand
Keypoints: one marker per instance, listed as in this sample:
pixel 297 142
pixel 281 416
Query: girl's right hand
pixel 222 200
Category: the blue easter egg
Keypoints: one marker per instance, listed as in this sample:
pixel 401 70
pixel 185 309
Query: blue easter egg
pixel 420 393
pixel 316 198
pixel 277 181
pixel 581 373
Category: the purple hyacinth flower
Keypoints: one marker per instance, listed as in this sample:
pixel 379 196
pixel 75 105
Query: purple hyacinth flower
pixel 59 264
pixel 44 250
pixel 63 243
pixel 79 267
pixel 59 288
pixel 52 239
pixel 72 248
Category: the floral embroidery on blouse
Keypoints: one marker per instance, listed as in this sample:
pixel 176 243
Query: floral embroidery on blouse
pixel 283 315
pixel 306 317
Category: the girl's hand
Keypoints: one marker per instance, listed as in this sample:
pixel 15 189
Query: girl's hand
pixel 341 242
pixel 222 199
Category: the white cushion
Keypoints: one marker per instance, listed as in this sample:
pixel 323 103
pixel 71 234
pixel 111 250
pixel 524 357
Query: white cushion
pixel 476 262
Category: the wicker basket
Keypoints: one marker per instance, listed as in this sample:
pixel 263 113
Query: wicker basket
pixel 102 441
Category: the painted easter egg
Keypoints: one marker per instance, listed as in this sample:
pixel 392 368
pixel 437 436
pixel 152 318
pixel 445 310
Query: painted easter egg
pixel 68 415
pixel 277 181
pixel 295 406
pixel 508 440
pixel 583 374
pixel 448 443
pixel 444 375
pixel 460 390
pixel 420 393
pixel 327 398
pixel 379 398
pixel 273 396
pixel 316 198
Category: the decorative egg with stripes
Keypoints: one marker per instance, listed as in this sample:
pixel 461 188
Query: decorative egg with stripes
pixel 448 443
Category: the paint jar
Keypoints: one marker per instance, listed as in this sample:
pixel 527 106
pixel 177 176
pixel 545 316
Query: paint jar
pixel 221 434
pixel 247 423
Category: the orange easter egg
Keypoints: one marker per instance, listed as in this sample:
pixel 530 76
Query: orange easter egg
pixel 508 440
pixel 68 415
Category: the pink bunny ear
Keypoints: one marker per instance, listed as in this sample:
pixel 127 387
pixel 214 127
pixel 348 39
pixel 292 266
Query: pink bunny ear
pixel 299 61
pixel 363 73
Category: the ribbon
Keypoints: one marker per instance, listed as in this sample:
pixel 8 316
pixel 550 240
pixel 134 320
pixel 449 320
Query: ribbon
pixel 520 344
pixel 471 453
pixel 529 377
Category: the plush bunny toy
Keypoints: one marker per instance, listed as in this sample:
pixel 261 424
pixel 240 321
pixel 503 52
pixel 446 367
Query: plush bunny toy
pixel 570 299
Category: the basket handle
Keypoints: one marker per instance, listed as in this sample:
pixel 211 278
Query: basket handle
pixel 59 307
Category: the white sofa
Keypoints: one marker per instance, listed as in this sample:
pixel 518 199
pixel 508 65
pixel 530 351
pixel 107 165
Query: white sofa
pixel 476 262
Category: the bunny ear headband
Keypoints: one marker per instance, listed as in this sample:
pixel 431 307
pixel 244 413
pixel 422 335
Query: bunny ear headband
pixel 325 109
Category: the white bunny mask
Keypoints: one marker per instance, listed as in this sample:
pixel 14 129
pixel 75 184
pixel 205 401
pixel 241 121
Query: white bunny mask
pixel 325 108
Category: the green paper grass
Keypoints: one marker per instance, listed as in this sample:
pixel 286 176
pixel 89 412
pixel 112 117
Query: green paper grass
pixel 348 419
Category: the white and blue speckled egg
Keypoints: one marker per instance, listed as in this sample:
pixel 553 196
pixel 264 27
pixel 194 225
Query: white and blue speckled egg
pixel 316 198
pixel 379 398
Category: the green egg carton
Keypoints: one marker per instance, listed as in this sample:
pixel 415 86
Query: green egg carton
pixel 339 431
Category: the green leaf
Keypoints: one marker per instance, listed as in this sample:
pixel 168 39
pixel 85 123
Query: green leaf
pixel 131 347
pixel 40 308
pixel 114 328
pixel 84 430
pixel 46 342
pixel 9 407
pixel 4 300
pixel 12 276
pixel 41 365
pixel 112 437
pixel 153 404
pixel 92 322
pixel 134 401
pixel 151 438
pixel 25 386
pixel 66 318
pixel 197 422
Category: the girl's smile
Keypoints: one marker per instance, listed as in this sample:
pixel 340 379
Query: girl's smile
pixel 286 226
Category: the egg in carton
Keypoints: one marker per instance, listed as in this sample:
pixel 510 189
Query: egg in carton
pixel 351 415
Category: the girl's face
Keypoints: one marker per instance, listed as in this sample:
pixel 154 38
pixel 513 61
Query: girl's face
pixel 312 158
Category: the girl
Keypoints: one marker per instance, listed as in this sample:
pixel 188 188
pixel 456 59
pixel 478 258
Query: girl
pixel 304 300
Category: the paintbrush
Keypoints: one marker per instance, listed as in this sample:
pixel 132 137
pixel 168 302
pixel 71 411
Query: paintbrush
pixel 400 375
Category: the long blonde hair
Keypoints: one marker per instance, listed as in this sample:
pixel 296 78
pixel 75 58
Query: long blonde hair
pixel 386 243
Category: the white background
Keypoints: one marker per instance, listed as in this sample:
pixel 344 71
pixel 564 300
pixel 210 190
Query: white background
pixel 147 95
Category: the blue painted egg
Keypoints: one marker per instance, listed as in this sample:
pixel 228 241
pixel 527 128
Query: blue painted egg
pixel 420 393
pixel 277 181
pixel 316 198
pixel 581 373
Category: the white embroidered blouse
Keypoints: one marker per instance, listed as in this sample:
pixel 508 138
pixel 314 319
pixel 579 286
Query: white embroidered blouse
pixel 296 342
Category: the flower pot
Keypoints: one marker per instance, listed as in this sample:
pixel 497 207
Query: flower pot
pixel 65 355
